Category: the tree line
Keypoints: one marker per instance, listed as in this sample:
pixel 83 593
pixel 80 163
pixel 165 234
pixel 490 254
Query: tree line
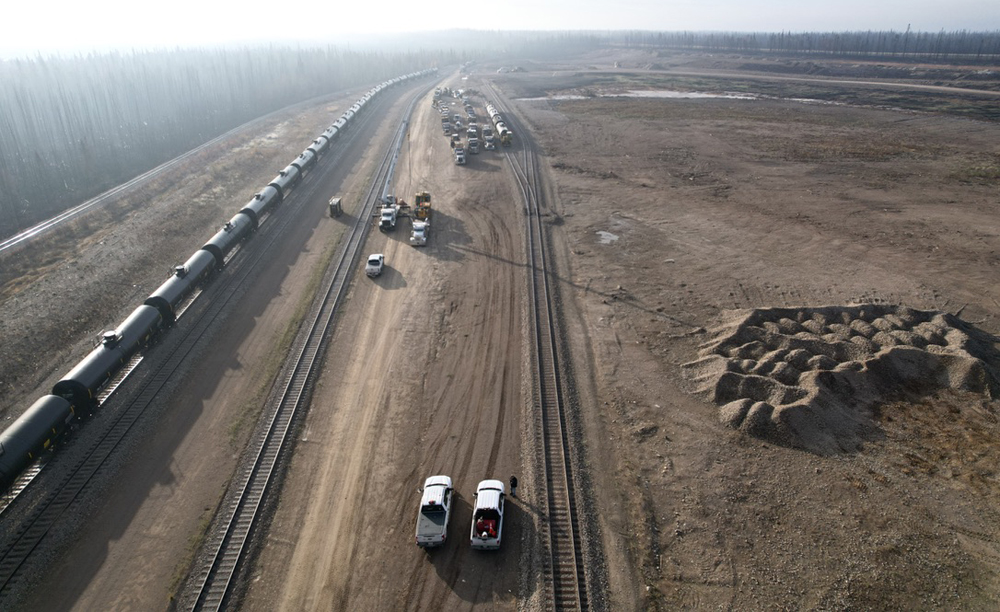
pixel 71 128
pixel 963 45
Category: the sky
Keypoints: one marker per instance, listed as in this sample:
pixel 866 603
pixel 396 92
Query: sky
pixel 67 27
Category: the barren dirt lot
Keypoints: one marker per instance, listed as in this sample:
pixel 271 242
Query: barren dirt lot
pixel 780 318
pixel 681 225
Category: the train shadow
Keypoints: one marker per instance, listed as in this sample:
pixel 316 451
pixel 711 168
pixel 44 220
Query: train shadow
pixel 152 460
pixel 484 161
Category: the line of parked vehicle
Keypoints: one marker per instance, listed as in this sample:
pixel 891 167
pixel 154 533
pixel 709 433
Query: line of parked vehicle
pixel 486 531
pixel 76 395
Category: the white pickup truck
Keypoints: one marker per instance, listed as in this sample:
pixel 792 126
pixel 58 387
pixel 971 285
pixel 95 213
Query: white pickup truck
pixel 487 517
pixel 375 263
pixel 435 511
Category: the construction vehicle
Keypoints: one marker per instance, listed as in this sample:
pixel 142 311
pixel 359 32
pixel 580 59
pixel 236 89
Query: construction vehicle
pixel 422 206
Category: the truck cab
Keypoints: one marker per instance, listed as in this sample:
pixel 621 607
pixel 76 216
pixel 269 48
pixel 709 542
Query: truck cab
pixel 387 220
pixel 418 236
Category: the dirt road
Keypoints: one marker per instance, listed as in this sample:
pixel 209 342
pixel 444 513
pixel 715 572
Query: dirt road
pixel 424 377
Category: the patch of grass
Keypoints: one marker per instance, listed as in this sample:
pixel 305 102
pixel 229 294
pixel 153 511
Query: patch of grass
pixel 984 171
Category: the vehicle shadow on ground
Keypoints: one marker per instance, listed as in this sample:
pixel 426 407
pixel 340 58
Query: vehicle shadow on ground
pixel 483 576
pixel 484 161
pixel 446 235
pixel 390 279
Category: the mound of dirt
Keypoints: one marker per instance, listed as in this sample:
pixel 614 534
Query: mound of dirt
pixel 810 378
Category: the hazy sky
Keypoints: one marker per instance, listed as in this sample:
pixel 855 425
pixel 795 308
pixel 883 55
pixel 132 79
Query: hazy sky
pixel 66 26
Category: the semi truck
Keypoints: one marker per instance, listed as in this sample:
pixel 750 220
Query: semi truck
pixel 418 236
pixel 387 216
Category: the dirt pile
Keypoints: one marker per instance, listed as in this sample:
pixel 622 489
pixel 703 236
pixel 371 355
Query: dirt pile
pixel 811 377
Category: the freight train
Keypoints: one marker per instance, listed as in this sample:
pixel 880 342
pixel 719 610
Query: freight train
pixel 503 132
pixel 75 396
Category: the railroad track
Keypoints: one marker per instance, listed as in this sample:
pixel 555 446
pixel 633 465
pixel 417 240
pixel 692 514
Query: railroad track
pixel 215 579
pixel 563 572
pixel 74 474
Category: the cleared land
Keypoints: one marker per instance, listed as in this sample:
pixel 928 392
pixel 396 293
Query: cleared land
pixel 678 224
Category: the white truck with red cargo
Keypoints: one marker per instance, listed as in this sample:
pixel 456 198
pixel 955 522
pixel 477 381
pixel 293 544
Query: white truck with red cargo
pixel 487 517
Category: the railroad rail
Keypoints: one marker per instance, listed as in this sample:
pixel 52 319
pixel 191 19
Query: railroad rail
pixel 215 581
pixel 564 572
pixel 76 472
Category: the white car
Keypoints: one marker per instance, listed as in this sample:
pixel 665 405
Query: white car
pixel 487 518
pixel 376 262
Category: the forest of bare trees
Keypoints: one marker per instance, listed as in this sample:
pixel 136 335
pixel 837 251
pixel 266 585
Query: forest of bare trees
pixel 71 128
pixel 964 46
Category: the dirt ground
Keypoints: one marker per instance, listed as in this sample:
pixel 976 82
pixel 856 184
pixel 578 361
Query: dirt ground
pixel 675 221
pixel 674 216
pixel 425 377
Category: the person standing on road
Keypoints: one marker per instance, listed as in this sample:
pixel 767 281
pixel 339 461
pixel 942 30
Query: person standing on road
pixel 513 486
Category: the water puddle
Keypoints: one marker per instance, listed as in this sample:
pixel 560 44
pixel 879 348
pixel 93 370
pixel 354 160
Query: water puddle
pixel 681 95
pixel 606 237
